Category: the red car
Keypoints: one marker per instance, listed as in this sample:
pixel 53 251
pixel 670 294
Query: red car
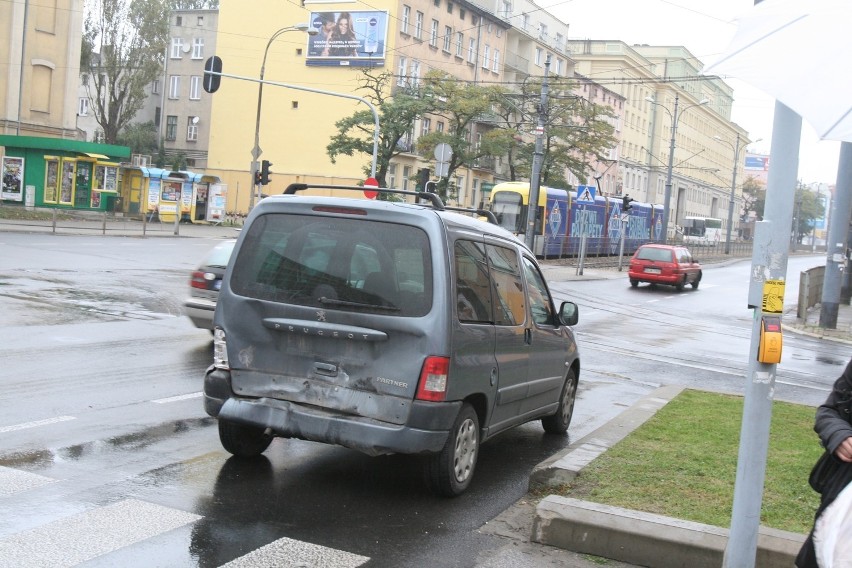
pixel 664 264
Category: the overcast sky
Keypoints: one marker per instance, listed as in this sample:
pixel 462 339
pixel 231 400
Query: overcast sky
pixel 704 27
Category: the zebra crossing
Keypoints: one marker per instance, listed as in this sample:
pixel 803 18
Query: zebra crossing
pixel 86 535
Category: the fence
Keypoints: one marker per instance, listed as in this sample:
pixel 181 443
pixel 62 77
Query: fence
pixel 810 290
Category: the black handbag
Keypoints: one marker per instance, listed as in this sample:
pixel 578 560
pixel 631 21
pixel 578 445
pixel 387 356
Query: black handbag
pixel 823 470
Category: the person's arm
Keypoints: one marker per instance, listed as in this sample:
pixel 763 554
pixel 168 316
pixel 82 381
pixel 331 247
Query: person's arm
pixel 832 418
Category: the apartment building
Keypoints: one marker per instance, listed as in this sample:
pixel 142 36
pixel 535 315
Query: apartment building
pixel 661 88
pixel 41 67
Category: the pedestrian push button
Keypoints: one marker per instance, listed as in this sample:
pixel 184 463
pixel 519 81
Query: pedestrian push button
pixel 769 350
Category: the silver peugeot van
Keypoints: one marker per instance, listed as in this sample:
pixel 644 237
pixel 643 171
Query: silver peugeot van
pixel 386 327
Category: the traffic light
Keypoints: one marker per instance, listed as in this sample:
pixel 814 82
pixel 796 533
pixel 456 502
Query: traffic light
pixel 256 178
pixel 423 175
pixel 264 172
pixel 625 206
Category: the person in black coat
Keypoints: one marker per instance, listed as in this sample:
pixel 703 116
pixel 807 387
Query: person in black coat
pixel 834 426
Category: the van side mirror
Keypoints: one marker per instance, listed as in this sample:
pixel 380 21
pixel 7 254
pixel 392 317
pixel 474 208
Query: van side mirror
pixel 569 313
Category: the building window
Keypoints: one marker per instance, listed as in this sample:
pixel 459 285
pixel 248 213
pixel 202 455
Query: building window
pixel 559 64
pixel 195 87
pixel 433 34
pixel 459 44
pixel 471 51
pixel 506 9
pixel 155 87
pixel 542 31
pixel 171 127
pixel 425 126
pixel 392 175
pixel 198 48
pixel 486 56
pixel 560 42
pixel 449 7
pixel 525 22
pixel 462 13
pixel 406 18
pixel 83 106
pixel 177 47
pixel 200 21
pixel 174 86
pixel 418 25
pixel 415 73
pixel 495 66
pixel 406 176
pixel 448 38
pixel 179 21
pixel 402 69
pixel 191 129
pixel 439 126
pixel 538 54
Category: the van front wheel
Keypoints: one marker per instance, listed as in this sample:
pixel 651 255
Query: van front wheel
pixel 558 423
pixel 243 441
pixel 451 470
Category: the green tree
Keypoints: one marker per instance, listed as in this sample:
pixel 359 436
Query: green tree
pixel 141 137
pixel 195 4
pixel 397 112
pixel 577 132
pixel 467 111
pixel 124 42
pixel 808 209
pixel 754 196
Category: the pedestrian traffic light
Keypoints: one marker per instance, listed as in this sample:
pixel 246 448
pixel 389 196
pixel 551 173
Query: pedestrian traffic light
pixel 626 203
pixel 423 175
pixel 256 178
pixel 264 172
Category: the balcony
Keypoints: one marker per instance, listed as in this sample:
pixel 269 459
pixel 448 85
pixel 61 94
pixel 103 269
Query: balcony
pixel 517 63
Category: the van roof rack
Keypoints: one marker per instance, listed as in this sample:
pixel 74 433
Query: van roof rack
pixel 431 197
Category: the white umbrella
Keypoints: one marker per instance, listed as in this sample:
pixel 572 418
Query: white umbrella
pixel 798 51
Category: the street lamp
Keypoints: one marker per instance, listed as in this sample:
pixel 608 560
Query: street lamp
pixel 256 151
pixel 736 148
pixel 675 117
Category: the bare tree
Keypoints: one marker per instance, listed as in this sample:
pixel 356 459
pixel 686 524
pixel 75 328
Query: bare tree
pixel 124 43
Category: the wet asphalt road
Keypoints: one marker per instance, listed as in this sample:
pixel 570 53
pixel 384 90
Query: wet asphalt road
pixel 104 443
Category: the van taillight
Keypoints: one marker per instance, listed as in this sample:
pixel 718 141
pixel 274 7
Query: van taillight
pixel 433 379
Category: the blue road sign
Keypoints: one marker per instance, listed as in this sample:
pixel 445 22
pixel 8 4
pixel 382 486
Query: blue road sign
pixel 586 194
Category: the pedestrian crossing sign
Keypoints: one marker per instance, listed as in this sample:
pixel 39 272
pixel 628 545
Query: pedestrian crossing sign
pixel 586 194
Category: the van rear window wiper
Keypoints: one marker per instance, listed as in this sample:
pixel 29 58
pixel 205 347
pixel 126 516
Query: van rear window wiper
pixel 334 302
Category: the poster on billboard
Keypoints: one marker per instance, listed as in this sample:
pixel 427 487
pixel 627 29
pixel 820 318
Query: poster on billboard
pixel 13 178
pixel 348 38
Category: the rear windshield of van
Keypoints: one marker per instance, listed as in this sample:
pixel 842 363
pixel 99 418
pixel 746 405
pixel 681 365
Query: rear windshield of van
pixel 335 263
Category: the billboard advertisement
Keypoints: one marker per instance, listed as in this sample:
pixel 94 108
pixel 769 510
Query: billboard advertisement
pixel 348 38
pixel 757 163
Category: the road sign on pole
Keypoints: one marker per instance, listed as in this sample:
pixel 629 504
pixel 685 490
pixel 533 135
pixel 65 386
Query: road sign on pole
pixel 586 194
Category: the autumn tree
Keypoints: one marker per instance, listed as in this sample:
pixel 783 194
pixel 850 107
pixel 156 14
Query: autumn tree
pixel 124 43
pixel 466 110
pixel 397 111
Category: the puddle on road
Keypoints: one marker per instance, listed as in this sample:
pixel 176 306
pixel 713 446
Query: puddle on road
pixel 68 297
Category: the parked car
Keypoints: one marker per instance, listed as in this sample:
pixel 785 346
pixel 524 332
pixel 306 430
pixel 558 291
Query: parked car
pixel 204 284
pixel 664 264
pixel 386 327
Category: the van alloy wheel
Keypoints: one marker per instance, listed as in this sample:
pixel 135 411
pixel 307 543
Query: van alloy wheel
pixel 451 470
pixel 558 422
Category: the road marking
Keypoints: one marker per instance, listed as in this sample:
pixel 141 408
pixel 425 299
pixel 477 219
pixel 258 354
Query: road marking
pixel 82 537
pixel 14 481
pixel 289 553
pixel 36 423
pixel 178 398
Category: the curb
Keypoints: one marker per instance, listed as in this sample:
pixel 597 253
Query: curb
pixel 635 537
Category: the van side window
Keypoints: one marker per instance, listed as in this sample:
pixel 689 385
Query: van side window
pixel 473 286
pixel 509 304
pixel 541 304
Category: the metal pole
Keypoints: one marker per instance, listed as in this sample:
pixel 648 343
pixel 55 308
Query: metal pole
pixel 835 245
pixel 538 154
pixel 668 196
pixel 733 195
pixel 769 267
pixel 23 60
pixel 621 244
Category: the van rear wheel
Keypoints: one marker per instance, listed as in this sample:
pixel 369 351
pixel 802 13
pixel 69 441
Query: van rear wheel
pixel 243 441
pixel 558 423
pixel 450 471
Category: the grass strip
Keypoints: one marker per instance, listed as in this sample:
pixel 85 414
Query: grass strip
pixel 682 463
